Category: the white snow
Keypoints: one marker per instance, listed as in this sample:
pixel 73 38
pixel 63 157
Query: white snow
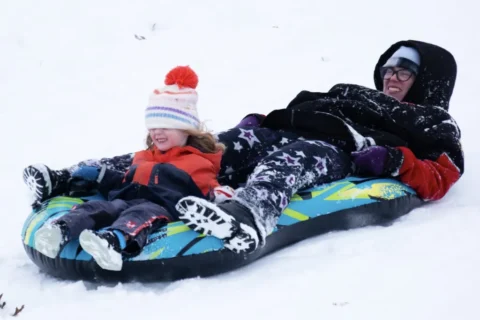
pixel 74 82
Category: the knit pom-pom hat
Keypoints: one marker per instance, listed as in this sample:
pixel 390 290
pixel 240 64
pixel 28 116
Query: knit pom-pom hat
pixel 174 106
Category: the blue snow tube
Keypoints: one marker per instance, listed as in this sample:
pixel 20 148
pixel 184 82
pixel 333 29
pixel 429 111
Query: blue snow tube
pixel 177 252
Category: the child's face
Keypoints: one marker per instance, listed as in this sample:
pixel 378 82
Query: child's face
pixel 165 139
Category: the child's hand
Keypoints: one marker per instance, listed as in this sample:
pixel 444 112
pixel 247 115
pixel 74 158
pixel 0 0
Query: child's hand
pixel 223 193
pixel 85 180
pixel 88 174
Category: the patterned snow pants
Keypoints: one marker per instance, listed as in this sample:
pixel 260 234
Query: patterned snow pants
pixel 268 167
pixel 275 166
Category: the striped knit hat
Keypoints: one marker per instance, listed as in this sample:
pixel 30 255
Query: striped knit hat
pixel 175 105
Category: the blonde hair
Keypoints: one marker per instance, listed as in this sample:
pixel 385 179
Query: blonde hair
pixel 199 139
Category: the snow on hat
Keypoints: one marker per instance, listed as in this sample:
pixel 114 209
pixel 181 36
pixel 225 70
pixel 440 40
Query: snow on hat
pixel 405 57
pixel 174 106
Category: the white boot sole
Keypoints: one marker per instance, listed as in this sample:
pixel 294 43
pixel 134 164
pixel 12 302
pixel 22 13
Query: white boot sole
pixel 206 218
pixel 101 251
pixel 48 240
pixel 195 214
pixel 37 180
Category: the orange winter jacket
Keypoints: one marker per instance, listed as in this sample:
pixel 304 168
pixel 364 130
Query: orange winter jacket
pixel 165 177
pixel 201 167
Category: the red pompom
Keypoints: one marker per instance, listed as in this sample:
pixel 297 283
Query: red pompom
pixel 183 77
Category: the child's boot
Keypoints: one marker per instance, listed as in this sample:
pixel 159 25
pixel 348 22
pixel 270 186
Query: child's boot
pixel 50 239
pixel 45 183
pixel 105 247
pixel 229 220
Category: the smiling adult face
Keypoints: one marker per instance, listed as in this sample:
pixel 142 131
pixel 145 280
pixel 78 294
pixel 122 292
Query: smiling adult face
pixel 397 81
pixel 399 72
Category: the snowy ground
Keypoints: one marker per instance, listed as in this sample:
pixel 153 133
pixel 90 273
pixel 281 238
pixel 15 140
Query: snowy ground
pixel 74 80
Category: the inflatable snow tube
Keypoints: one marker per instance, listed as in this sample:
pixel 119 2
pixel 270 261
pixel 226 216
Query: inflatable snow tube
pixel 176 252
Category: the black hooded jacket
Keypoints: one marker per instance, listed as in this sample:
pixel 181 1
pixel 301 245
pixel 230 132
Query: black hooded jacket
pixel 423 139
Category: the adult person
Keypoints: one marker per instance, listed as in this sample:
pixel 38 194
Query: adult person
pixel 403 130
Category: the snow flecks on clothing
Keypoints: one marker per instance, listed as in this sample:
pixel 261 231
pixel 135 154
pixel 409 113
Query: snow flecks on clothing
pixel 119 163
pixel 455 126
pixel 360 141
pixel 419 120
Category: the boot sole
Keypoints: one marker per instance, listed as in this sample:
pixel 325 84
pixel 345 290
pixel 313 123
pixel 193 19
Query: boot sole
pixel 199 215
pixel 48 241
pixel 101 251
pixel 206 218
pixel 38 180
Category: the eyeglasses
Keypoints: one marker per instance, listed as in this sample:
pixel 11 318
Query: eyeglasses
pixel 402 74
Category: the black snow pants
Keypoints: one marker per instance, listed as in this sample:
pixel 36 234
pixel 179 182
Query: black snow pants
pixel 135 218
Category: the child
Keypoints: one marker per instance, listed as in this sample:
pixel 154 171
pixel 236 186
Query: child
pixel 180 160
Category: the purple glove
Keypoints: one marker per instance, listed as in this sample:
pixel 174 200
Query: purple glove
pixel 251 120
pixel 371 160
